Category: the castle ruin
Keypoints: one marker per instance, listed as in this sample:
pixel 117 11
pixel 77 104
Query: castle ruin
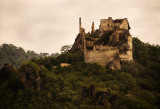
pixel 108 45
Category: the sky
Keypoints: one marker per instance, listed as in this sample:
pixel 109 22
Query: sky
pixel 47 25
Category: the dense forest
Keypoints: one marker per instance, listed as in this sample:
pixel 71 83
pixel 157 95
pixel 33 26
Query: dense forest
pixel 42 83
pixel 16 55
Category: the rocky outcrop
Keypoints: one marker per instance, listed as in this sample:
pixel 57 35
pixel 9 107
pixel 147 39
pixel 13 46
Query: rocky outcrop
pixel 108 45
pixel 30 75
pixel 100 97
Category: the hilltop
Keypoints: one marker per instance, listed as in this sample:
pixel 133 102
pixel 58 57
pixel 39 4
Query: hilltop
pixel 129 80
pixel 38 84
pixel 108 45
pixel 10 54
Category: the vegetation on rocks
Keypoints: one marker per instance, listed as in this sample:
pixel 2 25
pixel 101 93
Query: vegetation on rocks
pixel 81 85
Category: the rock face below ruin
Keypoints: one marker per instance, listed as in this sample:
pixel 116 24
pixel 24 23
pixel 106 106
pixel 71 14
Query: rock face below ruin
pixel 108 45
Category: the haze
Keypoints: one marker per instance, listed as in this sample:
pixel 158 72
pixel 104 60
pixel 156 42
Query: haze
pixel 47 25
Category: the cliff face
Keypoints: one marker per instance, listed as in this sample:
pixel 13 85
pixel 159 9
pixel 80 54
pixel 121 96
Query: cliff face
pixel 108 45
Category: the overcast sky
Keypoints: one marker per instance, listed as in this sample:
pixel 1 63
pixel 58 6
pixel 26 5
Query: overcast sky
pixel 47 25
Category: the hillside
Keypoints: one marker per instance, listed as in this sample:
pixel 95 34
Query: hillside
pixel 10 54
pixel 41 83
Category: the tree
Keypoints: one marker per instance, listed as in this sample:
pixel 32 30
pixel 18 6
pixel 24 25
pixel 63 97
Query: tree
pixel 55 54
pixel 44 54
pixel 32 54
pixel 66 48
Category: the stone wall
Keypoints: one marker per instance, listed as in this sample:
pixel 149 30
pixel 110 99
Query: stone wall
pixel 124 24
pixel 89 43
pixel 107 24
pixel 128 55
pixel 103 57
pixel 107 49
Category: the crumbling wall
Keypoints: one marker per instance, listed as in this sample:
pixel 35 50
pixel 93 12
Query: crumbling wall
pixel 89 43
pixel 107 24
pixel 107 46
pixel 117 24
pixel 124 25
pixel 119 37
pixel 103 57
pixel 128 55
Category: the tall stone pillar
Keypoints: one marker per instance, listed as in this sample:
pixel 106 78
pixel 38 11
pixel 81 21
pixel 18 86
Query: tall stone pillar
pixel 80 25
pixel 92 27
pixel 84 42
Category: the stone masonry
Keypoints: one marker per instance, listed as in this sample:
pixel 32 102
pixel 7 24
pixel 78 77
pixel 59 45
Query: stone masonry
pixel 108 45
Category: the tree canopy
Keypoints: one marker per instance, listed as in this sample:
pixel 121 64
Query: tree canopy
pixel 42 83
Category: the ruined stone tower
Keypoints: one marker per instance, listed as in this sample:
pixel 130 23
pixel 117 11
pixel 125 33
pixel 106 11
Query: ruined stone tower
pixel 92 27
pixel 108 45
pixel 80 25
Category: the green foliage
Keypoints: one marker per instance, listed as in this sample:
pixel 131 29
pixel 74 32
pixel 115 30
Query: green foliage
pixel 132 103
pixel 16 55
pixel 69 57
pixel 66 48
pixel 29 67
pixel 9 78
pixel 31 72
pixel 126 81
pixel 146 54
pixel 104 38
pixel 94 34
pixel 11 54
pixel 83 85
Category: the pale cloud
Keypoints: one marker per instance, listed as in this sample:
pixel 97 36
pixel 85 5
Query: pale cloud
pixel 47 25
